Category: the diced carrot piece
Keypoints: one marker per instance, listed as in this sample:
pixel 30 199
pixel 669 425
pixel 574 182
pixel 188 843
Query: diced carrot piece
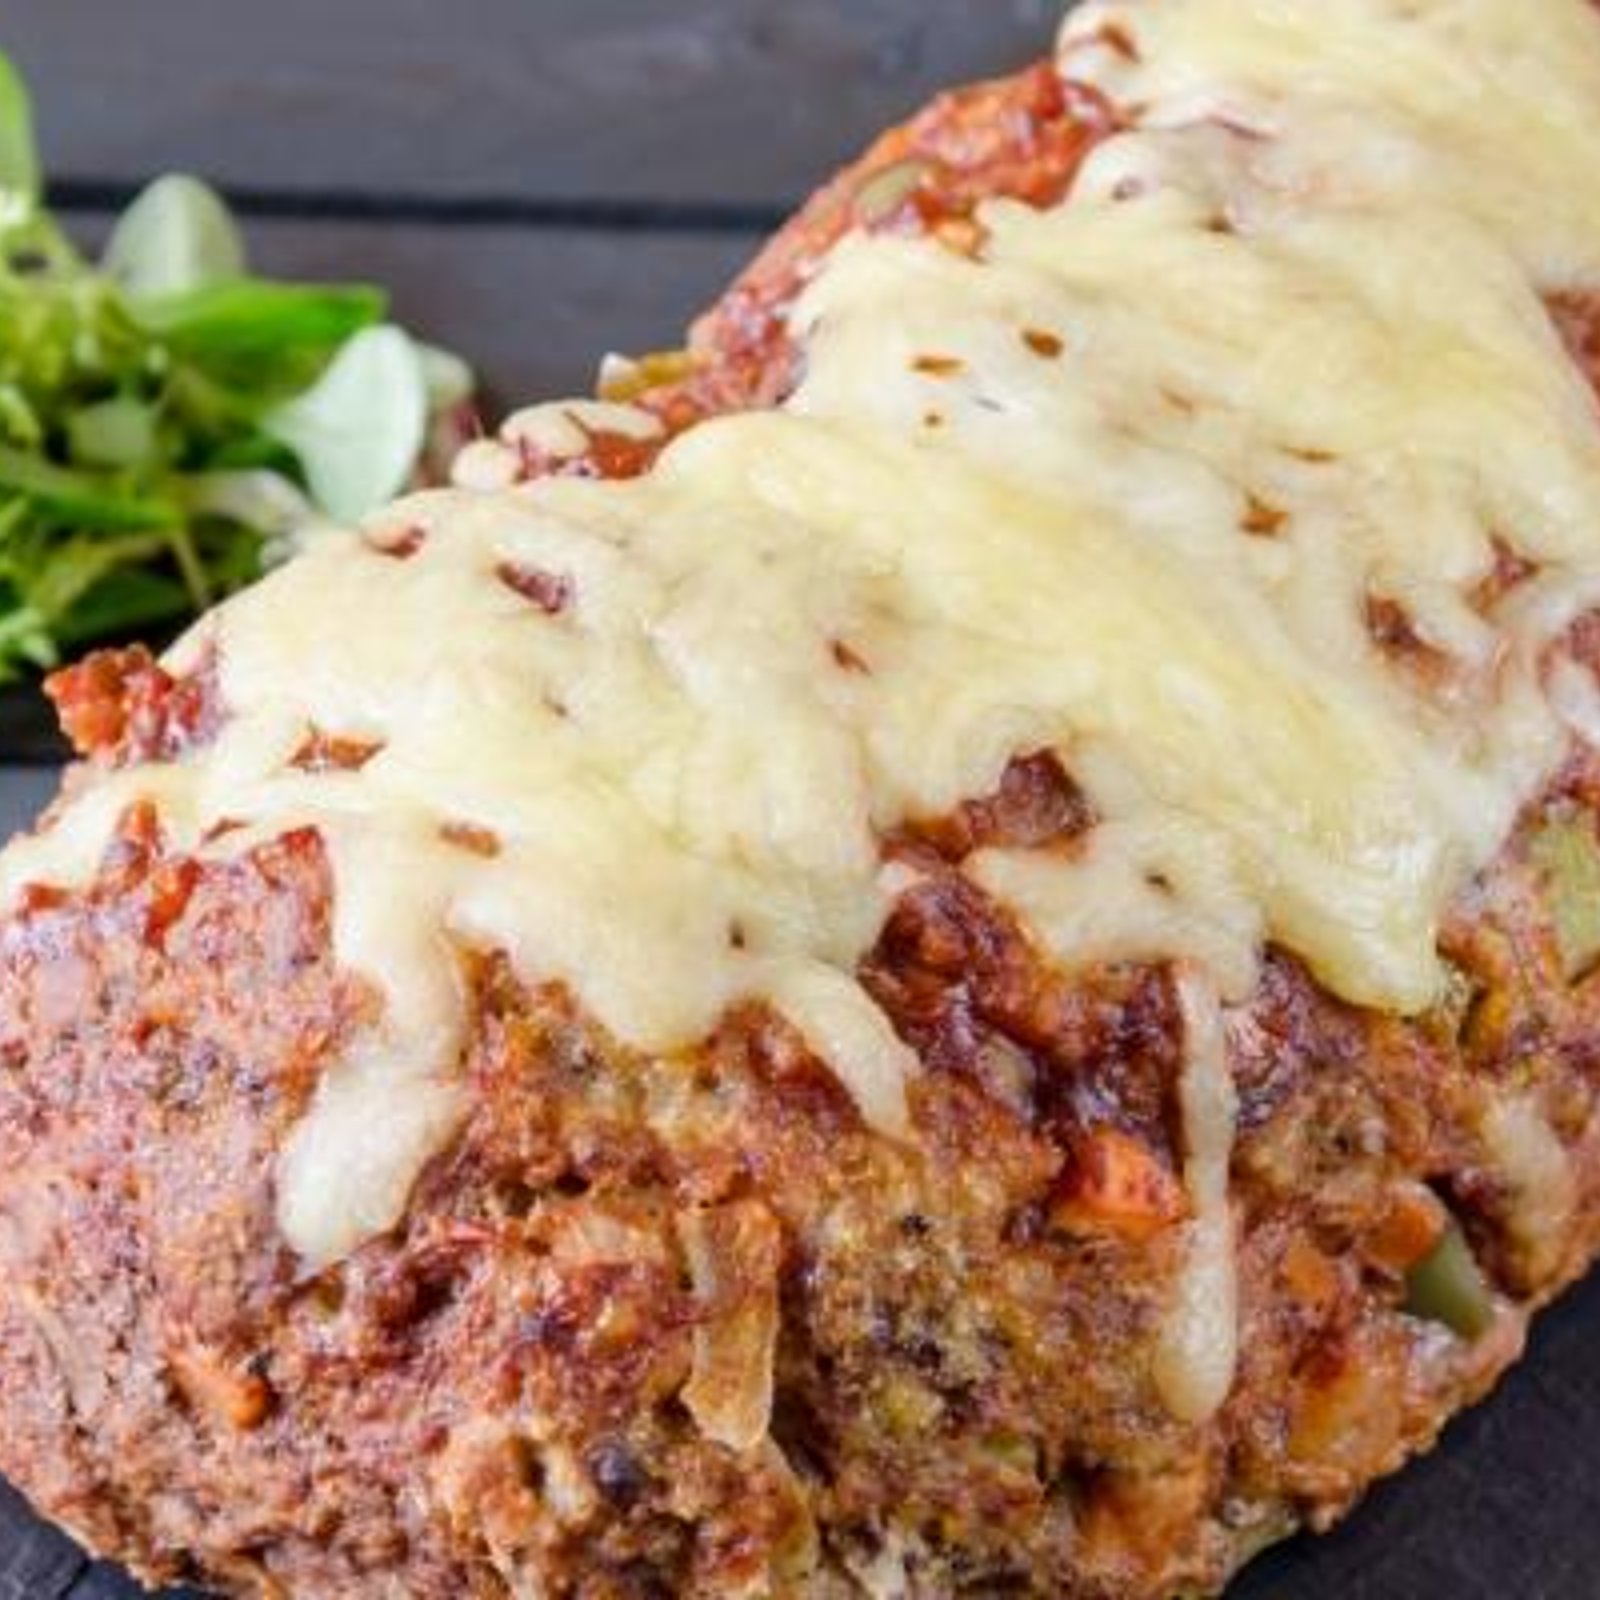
pixel 1117 1185
pixel 1310 1276
pixel 1409 1229
pixel 239 1400
pixel 1345 1420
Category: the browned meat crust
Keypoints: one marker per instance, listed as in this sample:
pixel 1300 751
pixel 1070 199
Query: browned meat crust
pixel 539 1383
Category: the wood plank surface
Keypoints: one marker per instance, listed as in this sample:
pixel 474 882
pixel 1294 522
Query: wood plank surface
pixel 733 100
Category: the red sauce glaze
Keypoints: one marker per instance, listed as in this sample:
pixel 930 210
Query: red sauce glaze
pixel 608 454
pixel 399 544
pixel 1577 319
pixel 331 752
pixel 550 592
pixel 1036 804
pixel 122 706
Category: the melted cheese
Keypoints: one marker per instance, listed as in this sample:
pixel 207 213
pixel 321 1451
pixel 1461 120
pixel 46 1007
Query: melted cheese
pixel 1541 1183
pixel 1197 1352
pixel 1484 107
pixel 1123 486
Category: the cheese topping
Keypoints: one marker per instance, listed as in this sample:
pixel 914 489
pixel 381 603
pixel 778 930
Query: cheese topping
pixel 1486 108
pixel 1198 1349
pixel 1541 1182
pixel 1127 485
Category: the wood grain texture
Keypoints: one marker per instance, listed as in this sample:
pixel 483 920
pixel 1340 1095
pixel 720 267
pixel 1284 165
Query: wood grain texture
pixel 729 99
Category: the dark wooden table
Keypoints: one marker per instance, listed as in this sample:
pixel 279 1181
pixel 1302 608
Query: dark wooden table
pixel 541 180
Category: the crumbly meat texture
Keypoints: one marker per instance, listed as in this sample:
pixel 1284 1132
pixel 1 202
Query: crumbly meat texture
pixel 543 1381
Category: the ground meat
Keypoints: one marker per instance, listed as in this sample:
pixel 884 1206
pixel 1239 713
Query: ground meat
pixel 538 1383
pixel 494 1395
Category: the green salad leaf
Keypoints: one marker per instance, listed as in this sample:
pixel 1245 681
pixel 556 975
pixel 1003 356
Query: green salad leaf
pixel 358 429
pixel 19 160
pixel 76 496
pixel 177 236
pixel 250 328
pixel 168 419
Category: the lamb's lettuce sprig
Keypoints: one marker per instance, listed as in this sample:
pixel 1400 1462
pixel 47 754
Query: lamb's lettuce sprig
pixel 166 416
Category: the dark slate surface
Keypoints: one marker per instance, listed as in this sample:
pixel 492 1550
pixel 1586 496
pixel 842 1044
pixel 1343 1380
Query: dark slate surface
pixel 546 113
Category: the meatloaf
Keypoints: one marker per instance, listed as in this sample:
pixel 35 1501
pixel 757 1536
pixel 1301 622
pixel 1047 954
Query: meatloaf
pixel 945 946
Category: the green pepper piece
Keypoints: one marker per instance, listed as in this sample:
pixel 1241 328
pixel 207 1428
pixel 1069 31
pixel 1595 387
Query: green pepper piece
pixel 1448 1286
